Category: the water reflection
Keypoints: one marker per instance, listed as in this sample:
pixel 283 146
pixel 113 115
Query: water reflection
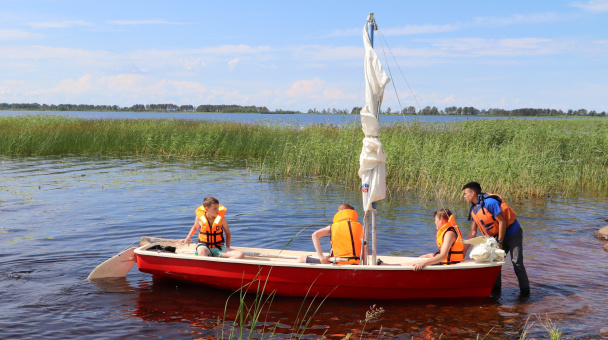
pixel 203 310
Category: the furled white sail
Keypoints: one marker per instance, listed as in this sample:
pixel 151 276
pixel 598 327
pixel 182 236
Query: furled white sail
pixel 372 159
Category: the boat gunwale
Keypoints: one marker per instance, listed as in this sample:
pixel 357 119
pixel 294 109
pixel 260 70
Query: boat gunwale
pixel 278 262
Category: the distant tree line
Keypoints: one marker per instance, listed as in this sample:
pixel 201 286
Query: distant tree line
pixel 471 111
pixel 332 111
pixel 411 110
pixel 144 108
pixel 527 112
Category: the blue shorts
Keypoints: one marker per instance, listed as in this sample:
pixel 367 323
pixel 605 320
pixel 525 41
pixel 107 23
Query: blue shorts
pixel 214 252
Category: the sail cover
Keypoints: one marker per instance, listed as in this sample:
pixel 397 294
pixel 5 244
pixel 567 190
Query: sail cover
pixel 372 159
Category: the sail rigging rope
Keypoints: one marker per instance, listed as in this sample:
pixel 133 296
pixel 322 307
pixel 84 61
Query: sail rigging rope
pixel 407 125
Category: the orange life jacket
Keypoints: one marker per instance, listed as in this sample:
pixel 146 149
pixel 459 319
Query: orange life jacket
pixel 456 253
pixel 212 236
pixel 346 236
pixel 487 223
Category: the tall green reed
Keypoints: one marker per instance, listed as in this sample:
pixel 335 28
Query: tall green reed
pixel 515 157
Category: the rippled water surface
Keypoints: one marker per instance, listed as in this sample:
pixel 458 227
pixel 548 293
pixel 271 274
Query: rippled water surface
pixel 61 217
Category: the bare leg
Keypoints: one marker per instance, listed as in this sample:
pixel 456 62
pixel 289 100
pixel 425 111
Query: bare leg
pixel 410 262
pixel 232 254
pixel 202 251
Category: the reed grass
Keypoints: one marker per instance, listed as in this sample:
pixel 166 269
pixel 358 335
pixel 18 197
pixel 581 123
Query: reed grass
pixel 524 158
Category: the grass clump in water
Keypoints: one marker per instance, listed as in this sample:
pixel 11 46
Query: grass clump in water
pixel 525 158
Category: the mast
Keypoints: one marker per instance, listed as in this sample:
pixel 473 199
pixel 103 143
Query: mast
pixel 371 24
pixel 372 161
pixel 372 27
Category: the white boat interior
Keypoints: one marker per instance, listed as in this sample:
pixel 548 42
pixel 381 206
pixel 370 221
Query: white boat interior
pixel 264 256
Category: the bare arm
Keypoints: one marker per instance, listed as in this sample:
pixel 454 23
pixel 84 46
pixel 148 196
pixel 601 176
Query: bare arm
pixel 448 240
pixel 317 242
pixel 195 227
pixel 502 228
pixel 472 234
pixel 227 231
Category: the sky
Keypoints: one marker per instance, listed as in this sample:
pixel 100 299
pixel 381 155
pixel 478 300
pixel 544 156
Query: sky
pixel 300 55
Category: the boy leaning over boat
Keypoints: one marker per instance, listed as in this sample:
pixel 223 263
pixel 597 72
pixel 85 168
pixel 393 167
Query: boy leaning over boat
pixel 212 226
pixel 345 235
pixel 494 218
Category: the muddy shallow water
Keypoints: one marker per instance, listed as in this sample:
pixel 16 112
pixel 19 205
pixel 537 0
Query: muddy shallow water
pixel 61 217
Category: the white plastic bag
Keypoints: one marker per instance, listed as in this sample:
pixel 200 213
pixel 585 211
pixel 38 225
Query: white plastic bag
pixel 485 249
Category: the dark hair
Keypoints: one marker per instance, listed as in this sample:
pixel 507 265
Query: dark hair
pixel 473 186
pixel 443 214
pixel 345 206
pixel 209 201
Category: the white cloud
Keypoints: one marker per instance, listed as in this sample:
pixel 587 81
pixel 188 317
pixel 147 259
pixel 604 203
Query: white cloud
pixel 351 32
pixel 59 24
pixel 326 53
pixel 145 22
pixel 234 49
pixel 399 30
pixel 517 19
pixel 48 52
pixel 420 29
pixel 597 6
pixel 447 100
pixel 337 94
pixel 316 92
pixel 192 63
pixel 162 61
pixel 503 47
pixel 123 89
pixel 232 63
pixel 306 88
pixel 11 34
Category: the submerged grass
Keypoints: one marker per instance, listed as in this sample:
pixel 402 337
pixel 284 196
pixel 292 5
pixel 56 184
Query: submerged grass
pixel 525 158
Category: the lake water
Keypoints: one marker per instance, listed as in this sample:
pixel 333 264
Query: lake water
pixel 62 216
pixel 287 119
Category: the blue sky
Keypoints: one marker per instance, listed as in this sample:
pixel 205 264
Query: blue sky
pixel 306 54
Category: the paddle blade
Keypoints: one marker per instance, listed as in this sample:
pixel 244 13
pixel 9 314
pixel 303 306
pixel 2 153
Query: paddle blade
pixel 117 266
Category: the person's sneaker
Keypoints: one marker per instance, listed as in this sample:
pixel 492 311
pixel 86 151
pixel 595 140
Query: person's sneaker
pixel 524 292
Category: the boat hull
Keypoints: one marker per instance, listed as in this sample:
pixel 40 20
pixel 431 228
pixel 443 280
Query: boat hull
pixel 294 279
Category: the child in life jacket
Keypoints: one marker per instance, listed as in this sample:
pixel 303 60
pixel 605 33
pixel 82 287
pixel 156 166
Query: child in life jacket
pixel 345 235
pixel 449 242
pixel 212 226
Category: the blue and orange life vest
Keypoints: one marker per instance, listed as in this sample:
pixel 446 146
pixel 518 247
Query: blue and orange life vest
pixel 346 236
pixel 487 223
pixel 211 235
pixel 456 253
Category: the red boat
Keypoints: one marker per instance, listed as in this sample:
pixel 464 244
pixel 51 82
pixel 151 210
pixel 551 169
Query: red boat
pixel 271 270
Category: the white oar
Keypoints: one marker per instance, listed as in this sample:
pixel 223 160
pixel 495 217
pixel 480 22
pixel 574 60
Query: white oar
pixel 117 266
pixel 120 264
pixel 289 257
